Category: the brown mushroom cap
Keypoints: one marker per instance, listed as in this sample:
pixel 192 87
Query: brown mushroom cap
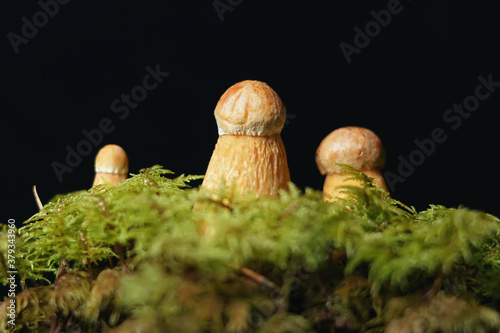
pixel 250 108
pixel 112 159
pixel 357 147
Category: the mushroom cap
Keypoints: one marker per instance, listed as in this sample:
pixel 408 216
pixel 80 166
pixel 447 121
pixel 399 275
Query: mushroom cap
pixel 250 108
pixel 355 146
pixel 112 159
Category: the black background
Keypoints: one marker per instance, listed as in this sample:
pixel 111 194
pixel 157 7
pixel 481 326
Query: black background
pixel 428 58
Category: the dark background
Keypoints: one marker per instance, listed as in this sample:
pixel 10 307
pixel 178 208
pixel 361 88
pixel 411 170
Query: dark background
pixel 428 58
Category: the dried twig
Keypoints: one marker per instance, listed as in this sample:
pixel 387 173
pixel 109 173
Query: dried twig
pixel 436 286
pixel 259 279
pixel 37 198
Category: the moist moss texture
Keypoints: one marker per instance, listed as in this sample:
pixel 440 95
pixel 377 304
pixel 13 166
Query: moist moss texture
pixel 151 254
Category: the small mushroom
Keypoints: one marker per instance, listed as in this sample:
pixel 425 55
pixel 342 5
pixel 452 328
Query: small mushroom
pixel 249 153
pixel 357 147
pixel 111 165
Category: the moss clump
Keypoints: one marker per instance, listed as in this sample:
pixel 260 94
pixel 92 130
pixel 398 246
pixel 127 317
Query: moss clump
pixel 137 257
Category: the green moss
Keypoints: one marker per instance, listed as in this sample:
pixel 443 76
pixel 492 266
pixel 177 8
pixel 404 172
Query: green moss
pixel 136 255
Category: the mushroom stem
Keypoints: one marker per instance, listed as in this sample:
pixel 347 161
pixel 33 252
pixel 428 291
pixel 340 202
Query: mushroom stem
pixel 108 178
pixel 249 162
pixel 333 181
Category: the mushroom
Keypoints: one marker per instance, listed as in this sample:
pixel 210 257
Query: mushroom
pixel 357 147
pixel 111 165
pixel 249 153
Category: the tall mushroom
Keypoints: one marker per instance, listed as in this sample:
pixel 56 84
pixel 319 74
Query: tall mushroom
pixel 357 147
pixel 249 153
pixel 111 165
